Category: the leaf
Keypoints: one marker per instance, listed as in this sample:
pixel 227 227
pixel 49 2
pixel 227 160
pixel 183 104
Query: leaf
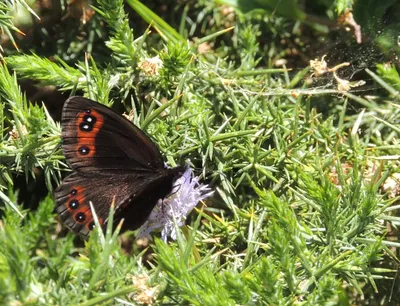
pixel 286 8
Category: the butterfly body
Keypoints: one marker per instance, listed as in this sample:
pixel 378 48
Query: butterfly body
pixel 111 159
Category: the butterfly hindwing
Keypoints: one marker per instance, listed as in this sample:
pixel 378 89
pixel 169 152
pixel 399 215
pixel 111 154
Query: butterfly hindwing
pixel 73 207
pixel 96 138
pixel 134 197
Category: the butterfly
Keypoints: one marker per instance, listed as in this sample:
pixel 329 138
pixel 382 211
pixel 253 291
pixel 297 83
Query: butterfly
pixel 110 158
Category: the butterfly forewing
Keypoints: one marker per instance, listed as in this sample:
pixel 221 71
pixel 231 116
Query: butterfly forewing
pixel 95 138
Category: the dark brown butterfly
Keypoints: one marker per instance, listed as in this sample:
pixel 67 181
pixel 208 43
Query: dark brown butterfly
pixel 110 157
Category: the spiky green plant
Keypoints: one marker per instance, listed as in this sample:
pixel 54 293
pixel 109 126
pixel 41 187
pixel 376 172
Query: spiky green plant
pixel 301 210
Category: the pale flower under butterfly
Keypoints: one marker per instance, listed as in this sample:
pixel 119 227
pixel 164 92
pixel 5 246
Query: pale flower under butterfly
pixel 185 195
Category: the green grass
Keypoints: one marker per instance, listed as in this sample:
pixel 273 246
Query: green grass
pixel 302 212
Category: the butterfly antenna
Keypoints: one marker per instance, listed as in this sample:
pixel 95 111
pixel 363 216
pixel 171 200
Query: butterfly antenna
pixel 175 190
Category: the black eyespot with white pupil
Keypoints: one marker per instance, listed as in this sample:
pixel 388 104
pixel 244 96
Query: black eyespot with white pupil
pixel 73 204
pixel 80 217
pixel 85 127
pixel 73 192
pixel 84 150
pixel 89 119
pixel 91 226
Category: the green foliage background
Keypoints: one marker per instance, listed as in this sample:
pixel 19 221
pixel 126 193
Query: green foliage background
pixel 302 212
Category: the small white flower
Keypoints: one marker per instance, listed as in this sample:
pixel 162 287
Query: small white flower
pixel 185 195
pixel 151 66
